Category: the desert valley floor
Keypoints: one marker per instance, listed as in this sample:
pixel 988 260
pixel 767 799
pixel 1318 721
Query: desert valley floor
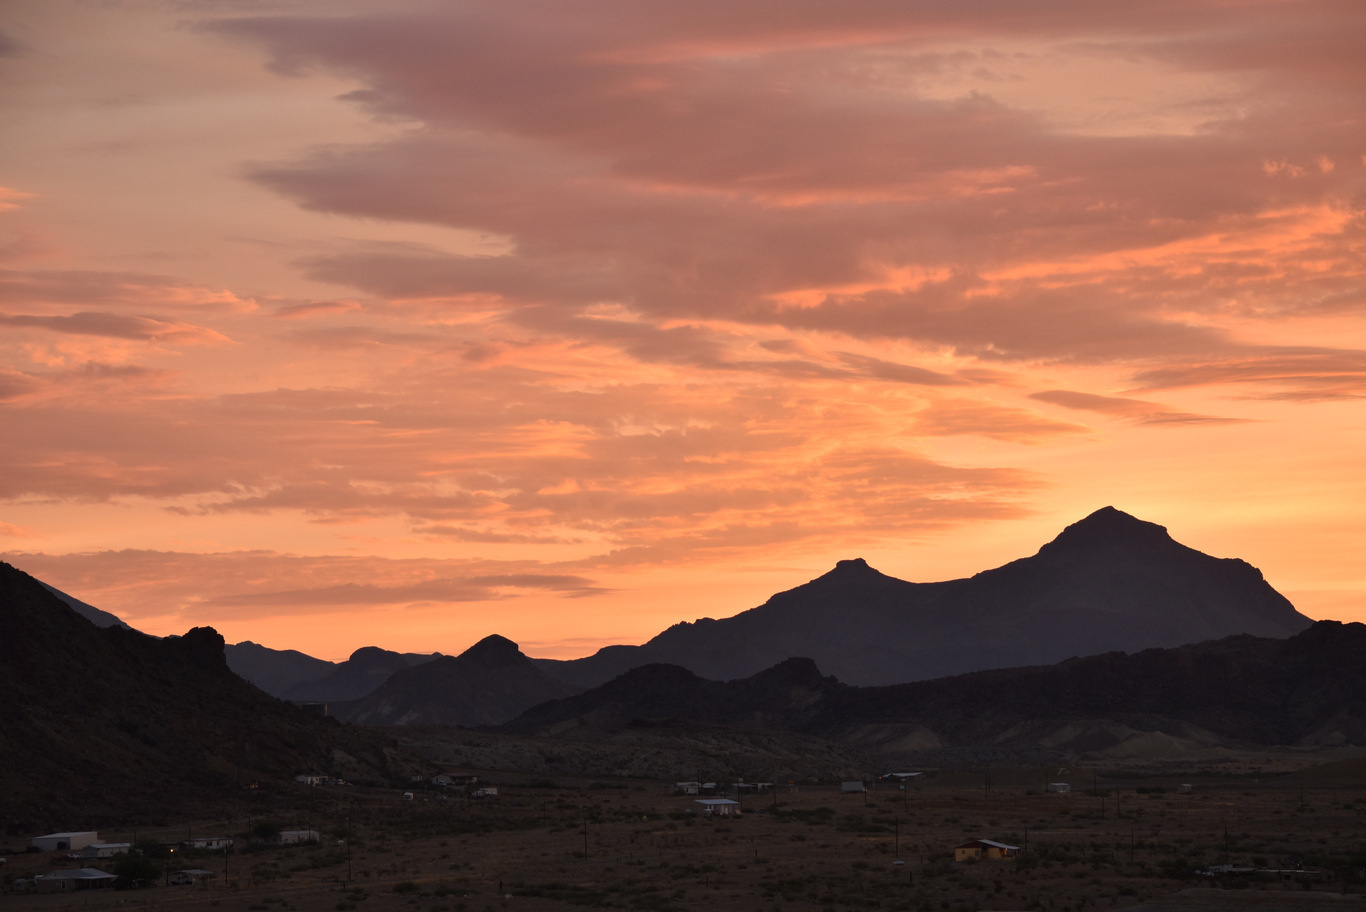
pixel 1122 838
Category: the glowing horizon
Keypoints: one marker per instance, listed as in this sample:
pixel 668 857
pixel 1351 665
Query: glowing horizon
pixel 402 324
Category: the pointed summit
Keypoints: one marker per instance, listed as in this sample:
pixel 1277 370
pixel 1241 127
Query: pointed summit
pixel 852 569
pixel 493 649
pixel 1110 528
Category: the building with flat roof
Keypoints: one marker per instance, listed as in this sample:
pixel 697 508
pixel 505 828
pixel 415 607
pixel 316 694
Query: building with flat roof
pixel 65 842
pixel 73 880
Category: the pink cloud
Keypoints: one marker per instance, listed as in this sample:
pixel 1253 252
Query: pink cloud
pixel 1136 410
pixel 116 326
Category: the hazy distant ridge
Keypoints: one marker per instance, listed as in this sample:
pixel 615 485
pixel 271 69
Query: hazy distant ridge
pixel 1308 690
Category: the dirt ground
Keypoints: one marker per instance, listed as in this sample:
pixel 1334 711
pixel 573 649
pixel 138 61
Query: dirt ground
pixel 630 844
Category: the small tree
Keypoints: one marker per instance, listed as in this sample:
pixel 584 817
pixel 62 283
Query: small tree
pixel 136 869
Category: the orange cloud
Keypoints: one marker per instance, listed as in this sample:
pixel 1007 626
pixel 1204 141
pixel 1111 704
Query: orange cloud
pixel 583 303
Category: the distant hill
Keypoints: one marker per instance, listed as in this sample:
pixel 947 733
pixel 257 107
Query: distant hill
pixel 487 684
pixel 1109 582
pixel 276 671
pixel 99 725
pixel 366 669
pixel 1306 690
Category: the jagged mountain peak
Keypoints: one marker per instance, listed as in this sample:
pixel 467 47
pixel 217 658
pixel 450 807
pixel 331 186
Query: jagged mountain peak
pixel 1109 528
pixel 853 571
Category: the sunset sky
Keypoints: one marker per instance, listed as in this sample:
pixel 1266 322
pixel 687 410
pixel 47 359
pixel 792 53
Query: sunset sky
pixel 333 323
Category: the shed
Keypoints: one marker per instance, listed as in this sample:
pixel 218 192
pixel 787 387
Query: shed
pixel 188 877
pixel 988 849
pixel 720 807
pixel 72 880
pixel 292 837
pixel 65 842
pixel 105 849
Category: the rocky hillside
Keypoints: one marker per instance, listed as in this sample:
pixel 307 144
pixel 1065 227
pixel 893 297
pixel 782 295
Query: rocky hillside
pixel 111 724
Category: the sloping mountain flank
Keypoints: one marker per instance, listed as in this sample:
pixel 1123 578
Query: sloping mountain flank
pixel 275 671
pixel 1107 583
pixel 92 614
pixel 1307 690
pixel 102 724
pixel 366 669
pixel 487 684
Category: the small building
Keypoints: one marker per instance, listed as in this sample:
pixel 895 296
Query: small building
pixel 1184 788
pixel 210 843
pixel 902 777
pixel 105 849
pixel 695 788
pixel 719 807
pixel 311 779
pixel 1059 788
pixel 853 785
pixel 73 880
pixel 64 842
pixel 754 787
pixel 454 780
pixel 188 877
pixel 294 837
pixel 984 849
pixel 488 791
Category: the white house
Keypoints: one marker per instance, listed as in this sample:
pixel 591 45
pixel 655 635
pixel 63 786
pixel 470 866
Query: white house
pixel 105 849
pixel 293 837
pixel 208 842
pixel 64 842
pixel 1059 788
pixel 311 778
pixel 73 880
pixel 720 807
